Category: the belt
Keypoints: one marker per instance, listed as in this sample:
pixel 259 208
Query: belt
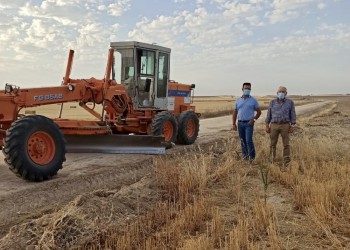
pixel 280 122
pixel 243 120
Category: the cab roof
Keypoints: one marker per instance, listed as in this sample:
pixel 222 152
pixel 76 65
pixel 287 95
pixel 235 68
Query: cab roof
pixel 134 44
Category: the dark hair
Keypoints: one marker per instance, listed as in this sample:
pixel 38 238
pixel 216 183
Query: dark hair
pixel 247 83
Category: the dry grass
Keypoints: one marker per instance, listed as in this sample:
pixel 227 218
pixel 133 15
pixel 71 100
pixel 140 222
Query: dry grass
pixel 208 198
pixel 190 214
pixel 213 200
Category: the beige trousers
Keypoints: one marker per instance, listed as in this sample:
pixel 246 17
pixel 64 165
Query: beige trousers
pixel 276 130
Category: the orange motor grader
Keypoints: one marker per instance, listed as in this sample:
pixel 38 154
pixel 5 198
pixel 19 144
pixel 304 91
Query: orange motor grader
pixel 143 113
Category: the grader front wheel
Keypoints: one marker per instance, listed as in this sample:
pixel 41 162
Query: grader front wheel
pixel 34 148
pixel 188 127
pixel 164 123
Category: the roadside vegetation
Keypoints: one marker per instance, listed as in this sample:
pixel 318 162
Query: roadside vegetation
pixel 213 200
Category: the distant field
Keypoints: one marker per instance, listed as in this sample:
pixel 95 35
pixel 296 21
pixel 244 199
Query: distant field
pixel 211 106
pixel 70 111
pixel 208 106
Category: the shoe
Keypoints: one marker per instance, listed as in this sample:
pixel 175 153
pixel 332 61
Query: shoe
pixel 284 167
pixel 252 162
pixel 286 164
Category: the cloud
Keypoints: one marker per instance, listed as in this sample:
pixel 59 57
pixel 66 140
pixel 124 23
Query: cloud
pixel 203 33
pixel 321 6
pixel 241 12
pixel 65 14
pixel 118 8
pixel 40 34
pixel 12 4
pixel 255 20
pixel 283 10
pixel 189 28
pixel 102 7
pixel 36 36
pixel 236 9
pixel 8 33
pixel 55 25
pixel 339 33
pixel 211 39
pixel 256 1
pixel 162 30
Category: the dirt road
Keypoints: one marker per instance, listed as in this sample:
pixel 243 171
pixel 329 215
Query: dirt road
pixel 212 126
pixel 21 200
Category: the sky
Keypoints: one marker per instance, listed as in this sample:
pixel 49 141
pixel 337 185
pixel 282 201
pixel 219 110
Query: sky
pixel 215 44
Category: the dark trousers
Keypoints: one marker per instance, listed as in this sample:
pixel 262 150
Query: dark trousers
pixel 245 131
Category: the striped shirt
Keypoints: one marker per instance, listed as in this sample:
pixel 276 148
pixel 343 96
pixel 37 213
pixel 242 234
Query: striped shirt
pixel 281 111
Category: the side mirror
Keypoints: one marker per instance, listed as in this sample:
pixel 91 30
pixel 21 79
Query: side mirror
pixel 147 85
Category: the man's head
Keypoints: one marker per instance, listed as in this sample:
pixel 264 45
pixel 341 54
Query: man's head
pixel 246 88
pixel 281 92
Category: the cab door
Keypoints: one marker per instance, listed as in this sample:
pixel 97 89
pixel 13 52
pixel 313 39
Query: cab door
pixel 146 79
pixel 162 78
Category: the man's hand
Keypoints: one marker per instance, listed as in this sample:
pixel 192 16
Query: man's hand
pixel 251 122
pixel 291 129
pixel 234 127
pixel 268 129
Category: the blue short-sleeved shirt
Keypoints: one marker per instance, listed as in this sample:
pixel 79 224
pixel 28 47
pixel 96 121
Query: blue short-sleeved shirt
pixel 246 108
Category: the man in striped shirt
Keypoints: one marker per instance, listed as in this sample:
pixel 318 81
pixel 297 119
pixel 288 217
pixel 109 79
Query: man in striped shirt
pixel 280 120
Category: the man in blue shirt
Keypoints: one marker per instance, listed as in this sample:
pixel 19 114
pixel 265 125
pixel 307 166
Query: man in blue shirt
pixel 280 120
pixel 244 109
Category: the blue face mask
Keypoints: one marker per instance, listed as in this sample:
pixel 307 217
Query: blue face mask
pixel 246 91
pixel 281 95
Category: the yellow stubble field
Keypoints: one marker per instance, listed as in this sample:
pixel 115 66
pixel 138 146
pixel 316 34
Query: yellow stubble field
pixel 208 106
pixel 212 104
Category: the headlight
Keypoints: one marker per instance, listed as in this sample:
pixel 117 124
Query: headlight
pixel 71 87
pixel 8 88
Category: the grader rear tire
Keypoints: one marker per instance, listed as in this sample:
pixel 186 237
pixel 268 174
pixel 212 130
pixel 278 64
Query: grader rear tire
pixel 34 148
pixel 164 123
pixel 188 127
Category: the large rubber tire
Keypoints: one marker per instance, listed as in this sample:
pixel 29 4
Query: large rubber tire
pixel 165 124
pixel 34 148
pixel 188 127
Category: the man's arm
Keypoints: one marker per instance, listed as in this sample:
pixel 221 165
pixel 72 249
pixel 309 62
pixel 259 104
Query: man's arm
pixel 256 117
pixel 268 118
pixel 258 114
pixel 293 117
pixel 234 119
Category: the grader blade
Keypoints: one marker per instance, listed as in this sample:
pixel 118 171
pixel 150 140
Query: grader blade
pixel 115 144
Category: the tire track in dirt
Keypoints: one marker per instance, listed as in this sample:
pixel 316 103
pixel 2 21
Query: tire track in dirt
pixel 30 200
